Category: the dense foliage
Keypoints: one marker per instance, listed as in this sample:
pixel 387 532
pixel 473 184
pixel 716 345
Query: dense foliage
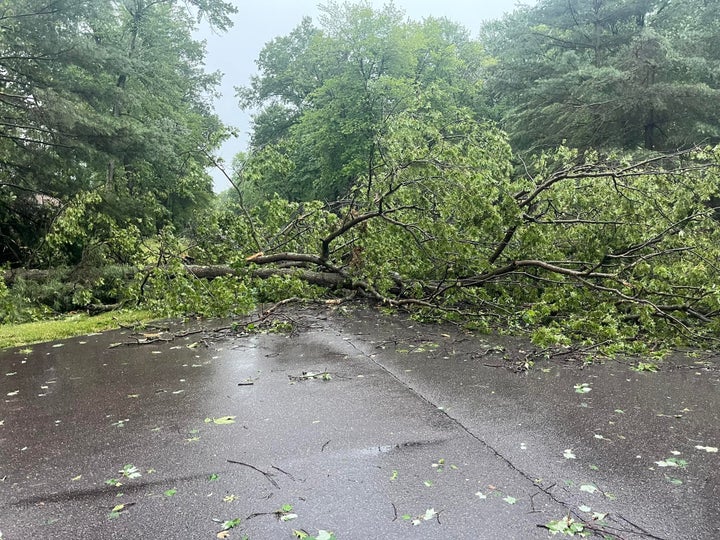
pixel 325 95
pixel 557 175
pixel 607 73
pixel 105 116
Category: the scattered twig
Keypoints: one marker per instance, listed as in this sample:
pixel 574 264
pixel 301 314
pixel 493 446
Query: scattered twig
pixel 267 475
pixel 284 472
pixel 310 376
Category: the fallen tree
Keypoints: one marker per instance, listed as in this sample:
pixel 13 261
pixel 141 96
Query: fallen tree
pixel 575 245
pixel 571 246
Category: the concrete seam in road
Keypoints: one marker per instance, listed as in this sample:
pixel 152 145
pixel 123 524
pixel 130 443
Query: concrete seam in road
pixel 638 530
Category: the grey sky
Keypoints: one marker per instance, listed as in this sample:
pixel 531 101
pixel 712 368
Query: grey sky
pixel 258 22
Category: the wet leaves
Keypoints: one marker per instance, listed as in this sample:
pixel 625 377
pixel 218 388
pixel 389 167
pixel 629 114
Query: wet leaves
pixel 321 535
pixel 674 481
pixel 582 388
pixel 429 514
pixel 115 512
pixel 230 524
pixel 223 420
pixel 118 509
pixel 567 526
pixel 646 366
pixel 496 493
pixel 311 376
pixel 672 462
pixel 130 471
pixel 284 513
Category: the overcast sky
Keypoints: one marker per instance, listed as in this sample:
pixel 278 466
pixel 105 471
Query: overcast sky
pixel 259 21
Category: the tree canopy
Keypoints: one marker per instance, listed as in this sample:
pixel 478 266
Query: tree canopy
pixel 326 92
pixel 607 73
pixel 103 101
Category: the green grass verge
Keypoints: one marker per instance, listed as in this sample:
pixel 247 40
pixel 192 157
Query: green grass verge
pixel 15 335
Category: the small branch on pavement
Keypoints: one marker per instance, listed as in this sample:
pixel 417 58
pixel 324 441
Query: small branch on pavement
pixel 267 475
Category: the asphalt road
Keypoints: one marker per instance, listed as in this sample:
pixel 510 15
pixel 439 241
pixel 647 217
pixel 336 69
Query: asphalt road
pixel 366 425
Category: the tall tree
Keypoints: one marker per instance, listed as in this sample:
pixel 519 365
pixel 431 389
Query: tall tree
pixel 325 93
pixel 106 95
pixel 606 73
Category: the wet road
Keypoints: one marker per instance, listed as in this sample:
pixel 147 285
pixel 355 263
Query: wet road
pixel 402 422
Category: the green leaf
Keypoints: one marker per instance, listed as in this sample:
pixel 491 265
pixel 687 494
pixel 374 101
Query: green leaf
pixel 230 524
pixel 672 462
pixel 674 481
pixel 170 492
pixel 646 366
pixel 223 420
pixel 130 471
pixel 582 388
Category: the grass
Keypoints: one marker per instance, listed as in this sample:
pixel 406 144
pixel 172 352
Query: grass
pixel 16 335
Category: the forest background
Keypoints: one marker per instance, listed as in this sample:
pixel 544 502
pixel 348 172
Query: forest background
pixel 556 175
